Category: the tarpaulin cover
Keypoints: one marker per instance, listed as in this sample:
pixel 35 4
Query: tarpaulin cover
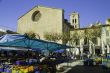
pixel 22 41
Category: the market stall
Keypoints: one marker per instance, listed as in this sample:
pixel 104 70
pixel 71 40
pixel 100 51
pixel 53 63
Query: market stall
pixel 28 59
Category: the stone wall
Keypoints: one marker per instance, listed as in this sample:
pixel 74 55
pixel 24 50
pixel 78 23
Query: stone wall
pixel 50 20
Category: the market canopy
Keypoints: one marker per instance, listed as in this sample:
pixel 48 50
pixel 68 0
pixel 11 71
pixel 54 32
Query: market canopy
pixel 13 48
pixel 16 40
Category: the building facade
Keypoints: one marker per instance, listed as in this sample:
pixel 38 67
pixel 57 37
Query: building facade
pixel 94 39
pixel 40 20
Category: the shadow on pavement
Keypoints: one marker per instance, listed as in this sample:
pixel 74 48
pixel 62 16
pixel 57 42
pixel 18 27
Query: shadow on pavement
pixel 88 69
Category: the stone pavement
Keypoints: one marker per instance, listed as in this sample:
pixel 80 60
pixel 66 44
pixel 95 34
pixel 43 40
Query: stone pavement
pixel 65 67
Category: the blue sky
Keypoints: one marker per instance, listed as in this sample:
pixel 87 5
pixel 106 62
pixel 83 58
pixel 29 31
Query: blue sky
pixel 90 10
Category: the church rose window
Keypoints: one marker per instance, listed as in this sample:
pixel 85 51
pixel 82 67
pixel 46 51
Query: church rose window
pixel 36 16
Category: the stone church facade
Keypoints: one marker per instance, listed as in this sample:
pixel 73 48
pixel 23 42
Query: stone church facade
pixel 40 20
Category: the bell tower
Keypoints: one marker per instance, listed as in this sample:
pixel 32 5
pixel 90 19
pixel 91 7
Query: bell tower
pixel 74 20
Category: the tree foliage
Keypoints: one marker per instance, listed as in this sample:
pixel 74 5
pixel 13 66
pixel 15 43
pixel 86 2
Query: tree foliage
pixel 51 36
pixel 65 37
pixel 30 35
pixel 93 32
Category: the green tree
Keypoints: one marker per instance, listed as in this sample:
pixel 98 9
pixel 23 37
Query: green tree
pixel 30 35
pixel 75 37
pixel 50 36
pixel 65 37
pixel 91 33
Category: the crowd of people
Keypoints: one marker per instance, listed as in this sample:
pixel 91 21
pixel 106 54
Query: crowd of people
pixel 35 58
